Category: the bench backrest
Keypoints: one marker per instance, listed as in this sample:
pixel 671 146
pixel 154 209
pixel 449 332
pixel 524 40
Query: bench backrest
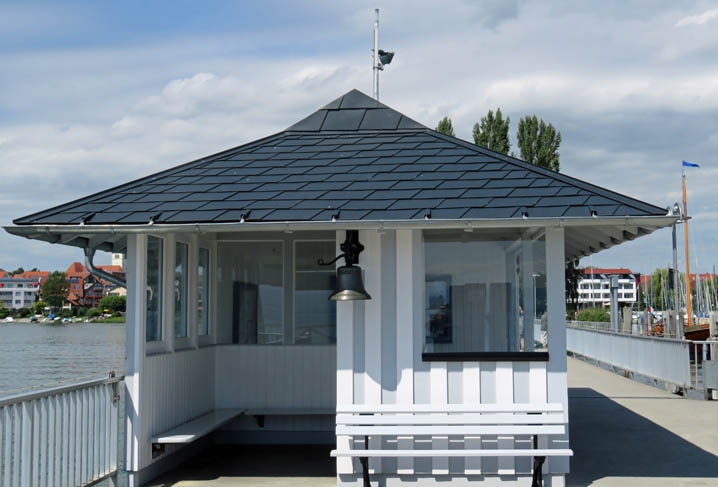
pixel 454 419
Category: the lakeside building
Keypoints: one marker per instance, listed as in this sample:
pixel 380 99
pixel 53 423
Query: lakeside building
pixel 231 337
pixel 17 293
pixel 594 288
pixel 86 289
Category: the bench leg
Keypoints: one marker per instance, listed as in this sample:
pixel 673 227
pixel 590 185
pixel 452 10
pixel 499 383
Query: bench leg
pixel 537 480
pixel 365 464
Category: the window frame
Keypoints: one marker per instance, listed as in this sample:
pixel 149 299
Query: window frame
pixel 222 330
pixel 294 287
pixel 207 287
pixel 160 345
pixel 479 356
pixel 182 341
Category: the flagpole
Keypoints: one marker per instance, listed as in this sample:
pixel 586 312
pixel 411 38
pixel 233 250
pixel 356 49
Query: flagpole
pixel 688 265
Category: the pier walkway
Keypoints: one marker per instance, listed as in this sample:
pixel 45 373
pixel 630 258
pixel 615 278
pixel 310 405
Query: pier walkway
pixel 623 433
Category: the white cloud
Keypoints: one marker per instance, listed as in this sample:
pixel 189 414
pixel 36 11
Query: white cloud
pixel 699 19
pixel 630 100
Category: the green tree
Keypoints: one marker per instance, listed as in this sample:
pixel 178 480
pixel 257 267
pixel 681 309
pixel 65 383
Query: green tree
pixel 113 303
pixel 573 276
pixel 39 307
pixel 539 142
pixel 55 290
pixel 594 314
pixel 17 271
pixel 493 132
pixel 24 312
pixel 445 127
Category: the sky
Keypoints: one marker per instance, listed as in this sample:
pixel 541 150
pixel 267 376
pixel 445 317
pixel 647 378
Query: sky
pixel 93 94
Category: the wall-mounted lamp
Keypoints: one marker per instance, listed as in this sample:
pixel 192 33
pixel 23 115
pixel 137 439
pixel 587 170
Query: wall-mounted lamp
pixel 350 285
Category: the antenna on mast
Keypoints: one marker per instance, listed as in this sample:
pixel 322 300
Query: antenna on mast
pixel 380 57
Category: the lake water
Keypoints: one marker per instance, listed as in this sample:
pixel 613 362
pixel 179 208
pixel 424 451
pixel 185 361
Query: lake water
pixel 37 356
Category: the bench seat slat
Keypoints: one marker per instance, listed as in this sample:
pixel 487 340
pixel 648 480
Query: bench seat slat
pixel 288 411
pixel 437 419
pixel 198 427
pixel 449 408
pixel 453 453
pixel 444 430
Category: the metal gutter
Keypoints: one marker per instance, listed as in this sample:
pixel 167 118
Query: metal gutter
pixel 36 230
pixel 89 256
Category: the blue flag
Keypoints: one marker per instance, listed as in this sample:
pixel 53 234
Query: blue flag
pixel 690 164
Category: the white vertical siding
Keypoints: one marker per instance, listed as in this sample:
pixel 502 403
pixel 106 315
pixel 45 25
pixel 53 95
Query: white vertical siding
pixel 272 376
pixel 360 344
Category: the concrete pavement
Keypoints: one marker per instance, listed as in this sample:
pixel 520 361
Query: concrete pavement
pixel 626 433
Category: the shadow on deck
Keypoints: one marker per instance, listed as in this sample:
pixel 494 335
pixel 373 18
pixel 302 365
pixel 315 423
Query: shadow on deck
pixel 614 445
pixel 261 465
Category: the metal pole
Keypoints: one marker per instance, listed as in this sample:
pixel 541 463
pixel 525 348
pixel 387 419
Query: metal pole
pixel 678 321
pixel 614 303
pixel 688 265
pixel 376 55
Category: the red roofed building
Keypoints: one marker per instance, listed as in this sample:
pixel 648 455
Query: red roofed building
pixel 3 274
pixel 595 287
pixel 37 276
pixel 87 290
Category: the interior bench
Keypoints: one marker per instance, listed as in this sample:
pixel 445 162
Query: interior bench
pixel 202 425
pixel 198 427
pixel 453 419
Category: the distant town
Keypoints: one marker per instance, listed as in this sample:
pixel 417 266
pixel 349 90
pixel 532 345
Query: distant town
pixel 62 295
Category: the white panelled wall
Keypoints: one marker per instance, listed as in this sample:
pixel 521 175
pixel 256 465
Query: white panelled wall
pixel 393 264
pixel 377 360
pixel 168 382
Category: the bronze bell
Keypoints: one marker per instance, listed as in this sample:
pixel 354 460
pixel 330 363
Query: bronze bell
pixel 350 285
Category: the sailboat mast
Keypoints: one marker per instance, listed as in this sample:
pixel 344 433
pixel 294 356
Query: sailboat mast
pixel 688 264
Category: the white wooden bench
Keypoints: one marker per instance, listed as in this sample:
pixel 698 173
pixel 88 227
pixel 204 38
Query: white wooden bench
pixel 198 427
pixel 453 419
pixel 260 413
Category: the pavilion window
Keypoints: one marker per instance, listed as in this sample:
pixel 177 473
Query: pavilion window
pixel 153 317
pixel 315 316
pixel 485 295
pixel 256 271
pixel 203 292
pixel 180 289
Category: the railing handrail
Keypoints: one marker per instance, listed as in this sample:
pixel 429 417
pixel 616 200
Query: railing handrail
pixel 576 325
pixel 53 391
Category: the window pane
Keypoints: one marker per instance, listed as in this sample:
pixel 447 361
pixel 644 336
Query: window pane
pixel 257 291
pixel 180 290
pixel 315 317
pixel 203 292
pixel 485 292
pixel 153 317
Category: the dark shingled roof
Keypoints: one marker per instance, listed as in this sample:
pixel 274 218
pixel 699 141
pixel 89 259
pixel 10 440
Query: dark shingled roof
pixel 354 159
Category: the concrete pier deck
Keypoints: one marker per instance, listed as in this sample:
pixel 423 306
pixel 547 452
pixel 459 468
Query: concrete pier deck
pixel 626 433
pixel 623 433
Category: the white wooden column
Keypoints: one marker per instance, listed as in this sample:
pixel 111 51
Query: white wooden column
pixel 136 269
pixel 556 368
pixel 408 287
pixel 371 262
pixel 345 364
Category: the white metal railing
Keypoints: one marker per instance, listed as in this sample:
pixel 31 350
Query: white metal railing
pixel 61 436
pixel 664 359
